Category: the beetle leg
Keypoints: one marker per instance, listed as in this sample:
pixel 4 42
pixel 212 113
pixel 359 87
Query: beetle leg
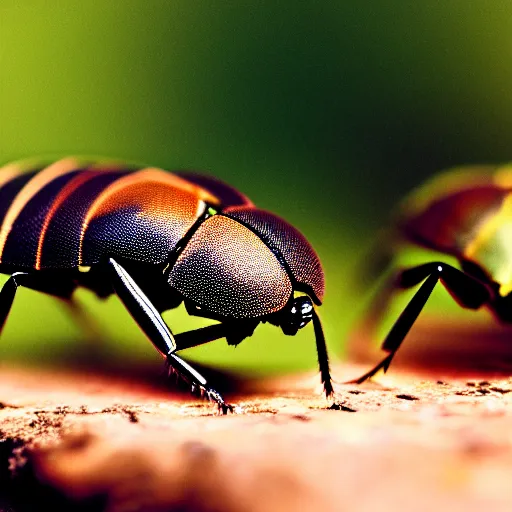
pixel 465 289
pixel 151 322
pixel 34 281
pixel 323 357
pixel 8 293
pixel 200 336
pixel 213 332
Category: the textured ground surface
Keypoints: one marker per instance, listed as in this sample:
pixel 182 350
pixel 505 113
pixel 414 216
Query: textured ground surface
pixel 94 442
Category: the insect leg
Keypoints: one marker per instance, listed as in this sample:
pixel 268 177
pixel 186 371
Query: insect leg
pixel 151 322
pixel 234 332
pixel 8 293
pixel 323 357
pixel 200 336
pixel 35 281
pixel 466 290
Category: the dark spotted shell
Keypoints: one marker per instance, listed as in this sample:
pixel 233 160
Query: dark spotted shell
pixel 288 244
pixel 231 271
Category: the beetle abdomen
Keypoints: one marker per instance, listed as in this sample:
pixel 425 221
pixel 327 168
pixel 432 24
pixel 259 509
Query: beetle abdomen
pixel 60 237
pixel 452 222
pixel 71 214
pixel 227 195
pixel 141 216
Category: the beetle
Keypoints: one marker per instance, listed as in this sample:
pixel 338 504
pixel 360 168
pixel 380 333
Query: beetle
pixel 463 213
pixel 158 239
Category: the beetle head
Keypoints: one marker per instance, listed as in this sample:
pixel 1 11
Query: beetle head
pixel 296 315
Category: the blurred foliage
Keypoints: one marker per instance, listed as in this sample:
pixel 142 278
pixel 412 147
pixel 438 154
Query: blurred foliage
pixel 323 112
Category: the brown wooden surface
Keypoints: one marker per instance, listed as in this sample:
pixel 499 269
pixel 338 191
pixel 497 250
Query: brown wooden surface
pixel 84 442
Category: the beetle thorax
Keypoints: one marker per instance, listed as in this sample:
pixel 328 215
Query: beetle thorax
pixel 229 271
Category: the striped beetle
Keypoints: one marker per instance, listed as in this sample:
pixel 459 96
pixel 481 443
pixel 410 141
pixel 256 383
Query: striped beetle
pixel 157 239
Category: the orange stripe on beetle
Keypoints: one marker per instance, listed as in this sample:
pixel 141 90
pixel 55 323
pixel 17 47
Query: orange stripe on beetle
pixel 41 179
pixel 66 191
pixel 157 194
pixel 9 172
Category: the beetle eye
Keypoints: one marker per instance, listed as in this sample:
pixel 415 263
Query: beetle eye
pixel 297 315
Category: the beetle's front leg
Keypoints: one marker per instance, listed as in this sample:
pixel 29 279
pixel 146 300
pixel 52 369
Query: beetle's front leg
pixel 151 322
pixel 196 380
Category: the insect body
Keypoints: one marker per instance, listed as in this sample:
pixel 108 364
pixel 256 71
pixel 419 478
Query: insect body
pixel 158 239
pixel 465 214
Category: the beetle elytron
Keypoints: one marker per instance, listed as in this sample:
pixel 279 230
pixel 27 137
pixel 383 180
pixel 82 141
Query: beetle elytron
pixel 158 239
pixel 465 213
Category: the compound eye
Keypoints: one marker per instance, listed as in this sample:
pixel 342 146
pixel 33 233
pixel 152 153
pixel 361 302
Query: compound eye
pixel 299 315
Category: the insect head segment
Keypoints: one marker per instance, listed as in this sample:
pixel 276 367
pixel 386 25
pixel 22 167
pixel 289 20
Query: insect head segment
pixel 297 313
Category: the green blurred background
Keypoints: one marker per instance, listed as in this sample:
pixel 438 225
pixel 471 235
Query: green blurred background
pixel 323 112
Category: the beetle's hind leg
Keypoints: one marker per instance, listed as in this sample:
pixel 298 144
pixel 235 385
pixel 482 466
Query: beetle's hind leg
pixel 467 291
pixel 151 322
pixel 9 292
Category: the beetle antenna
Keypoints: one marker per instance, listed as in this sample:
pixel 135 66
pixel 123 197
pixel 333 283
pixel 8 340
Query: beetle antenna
pixel 323 357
